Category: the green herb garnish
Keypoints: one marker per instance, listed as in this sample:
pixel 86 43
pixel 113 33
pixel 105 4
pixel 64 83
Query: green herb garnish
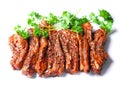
pixel 52 19
pixel 70 21
pixel 66 21
pixel 34 20
pixel 21 31
pixel 106 22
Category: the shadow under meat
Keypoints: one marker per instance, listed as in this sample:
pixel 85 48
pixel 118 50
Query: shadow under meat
pixel 64 74
pixel 109 61
pixel 34 76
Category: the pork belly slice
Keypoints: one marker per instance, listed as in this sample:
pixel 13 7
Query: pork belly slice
pixel 19 47
pixel 28 68
pixel 98 54
pixel 55 56
pixel 70 43
pixel 41 64
pixel 84 54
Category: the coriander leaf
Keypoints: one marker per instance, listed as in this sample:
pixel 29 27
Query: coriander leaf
pixel 37 31
pixel 107 21
pixel 45 33
pixel 107 26
pixel 65 24
pixel 52 19
pixel 21 31
pixel 105 14
pixel 83 20
pixel 77 24
pixel 31 21
pixel 24 34
pixel 35 15
pixel 17 28
pixel 76 27
pixel 34 20
pixel 92 15
pixel 107 18
pixel 94 18
pixel 70 21
pixel 66 15
pixel 66 19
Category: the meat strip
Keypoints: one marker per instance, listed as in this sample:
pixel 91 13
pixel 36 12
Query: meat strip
pixel 19 47
pixel 84 54
pixel 32 56
pixel 41 64
pixel 43 24
pixel 70 43
pixel 84 47
pixel 87 27
pixel 98 54
pixel 55 56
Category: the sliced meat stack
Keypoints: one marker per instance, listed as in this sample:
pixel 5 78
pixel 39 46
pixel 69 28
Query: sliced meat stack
pixel 63 50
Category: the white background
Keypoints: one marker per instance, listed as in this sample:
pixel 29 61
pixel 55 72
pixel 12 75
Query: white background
pixel 13 12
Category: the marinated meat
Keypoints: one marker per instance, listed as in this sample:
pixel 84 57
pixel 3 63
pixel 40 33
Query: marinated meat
pixel 84 47
pixel 28 68
pixel 69 41
pixel 62 50
pixel 88 31
pixel 19 47
pixel 41 64
pixel 84 54
pixel 98 54
pixel 55 56
pixel 43 24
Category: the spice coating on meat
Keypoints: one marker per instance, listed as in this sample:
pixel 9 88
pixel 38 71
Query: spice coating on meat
pixel 62 50
pixel 55 56
pixel 19 47
pixel 43 24
pixel 41 64
pixel 69 41
pixel 84 47
pixel 84 54
pixel 98 54
pixel 88 31
pixel 32 56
